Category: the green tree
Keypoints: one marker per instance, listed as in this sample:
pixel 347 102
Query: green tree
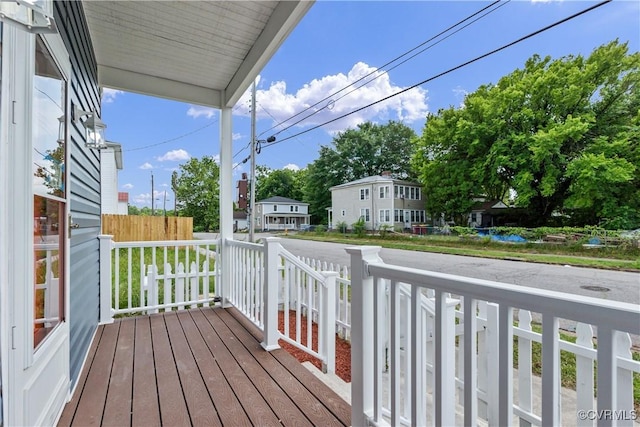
pixel 197 189
pixel 555 132
pixel 279 182
pixel 357 153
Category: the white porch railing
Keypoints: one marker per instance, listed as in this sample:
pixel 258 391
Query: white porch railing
pixel 49 287
pixel 147 277
pixel 266 279
pixel 413 381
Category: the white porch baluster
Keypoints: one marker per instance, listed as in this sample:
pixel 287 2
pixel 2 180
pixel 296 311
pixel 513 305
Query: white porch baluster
pixel 584 375
pixel 328 348
pixel 550 371
pixel 525 390
pixel 470 363
pixel 505 373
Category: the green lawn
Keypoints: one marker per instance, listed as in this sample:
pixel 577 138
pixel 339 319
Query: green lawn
pixel 182 253
pixel 614 258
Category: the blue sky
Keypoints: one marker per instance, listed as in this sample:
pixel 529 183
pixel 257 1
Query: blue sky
pixel 336 43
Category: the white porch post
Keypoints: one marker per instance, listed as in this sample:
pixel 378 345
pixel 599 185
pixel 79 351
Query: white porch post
pixel 226 200
pixel 270 294
pixel 106 315
pixel 362 371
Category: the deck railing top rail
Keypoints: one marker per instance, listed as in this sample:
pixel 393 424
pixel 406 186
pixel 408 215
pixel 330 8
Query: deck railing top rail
pixel 169 243
pixel 617 315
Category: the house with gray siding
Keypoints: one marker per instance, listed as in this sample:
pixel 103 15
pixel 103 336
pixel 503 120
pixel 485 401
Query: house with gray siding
pixel 379 200
pixel 55 58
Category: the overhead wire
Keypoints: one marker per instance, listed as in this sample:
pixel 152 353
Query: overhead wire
pixel 328 97
pixel 450 70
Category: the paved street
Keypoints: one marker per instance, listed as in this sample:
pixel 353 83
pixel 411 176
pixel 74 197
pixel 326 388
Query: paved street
pixel 622 286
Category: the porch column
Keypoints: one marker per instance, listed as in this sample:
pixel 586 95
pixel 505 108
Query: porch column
pixel 226 199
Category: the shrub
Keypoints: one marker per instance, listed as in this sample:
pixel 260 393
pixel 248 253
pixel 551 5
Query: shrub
pixel 359 227
pixel 341 226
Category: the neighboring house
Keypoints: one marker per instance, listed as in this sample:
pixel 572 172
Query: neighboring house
pixel 240 220
pixel 281 213
pixel 487 214
pixel 53 76
pixel 379 200
pixel 123 203
pixel 110 164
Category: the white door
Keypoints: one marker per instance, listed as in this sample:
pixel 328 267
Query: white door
pixel 407 219
pixel 34 220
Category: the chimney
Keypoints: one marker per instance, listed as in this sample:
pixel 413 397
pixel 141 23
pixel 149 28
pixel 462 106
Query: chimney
pixel 386 174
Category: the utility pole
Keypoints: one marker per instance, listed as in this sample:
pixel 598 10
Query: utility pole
pixel 152 195
pixel 164 206
pixel 252 197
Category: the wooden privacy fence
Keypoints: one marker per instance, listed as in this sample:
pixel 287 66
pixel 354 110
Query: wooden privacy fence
pixel 133 228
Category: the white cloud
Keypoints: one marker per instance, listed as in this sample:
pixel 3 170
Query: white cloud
pixel 146 165
pixel 109 95
pixel 408 106
pixel 145 198
pixel 460 94
pixel 127 186
pixel 216 158
pixel 164 185
pixel 174 156
pixel 292 167
pixel 196 111
pixel 236 136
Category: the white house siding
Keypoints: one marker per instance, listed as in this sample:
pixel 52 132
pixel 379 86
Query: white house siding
pixel 352 200
pixel 109 181
pixel 279 213
pixel 84 187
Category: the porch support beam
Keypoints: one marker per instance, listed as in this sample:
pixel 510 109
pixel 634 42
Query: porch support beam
pixel 226 200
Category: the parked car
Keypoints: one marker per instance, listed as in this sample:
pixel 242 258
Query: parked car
pixel 307 227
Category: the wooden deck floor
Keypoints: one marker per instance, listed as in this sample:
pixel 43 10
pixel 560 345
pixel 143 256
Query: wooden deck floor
pixel 198 367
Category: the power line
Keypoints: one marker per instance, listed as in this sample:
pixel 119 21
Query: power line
pixel 450 70
pixel 328 97
pixel 174 139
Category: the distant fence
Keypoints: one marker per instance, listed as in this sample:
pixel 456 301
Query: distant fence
pixel 133 228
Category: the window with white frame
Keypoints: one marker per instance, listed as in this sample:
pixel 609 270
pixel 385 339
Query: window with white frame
pixel 384 192
pixel 275 208
pixel 291 208
pixel 395 191
pixel 364 213
pixel 384 215
pixel 343 212
pixel 396 215
pixel 364 194
pixel 418 193
pixel 296 208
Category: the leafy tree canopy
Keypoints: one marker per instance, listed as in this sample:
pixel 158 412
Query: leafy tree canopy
pixel 279 182
pixel 561 134
pixel 197 191
pixel 357 153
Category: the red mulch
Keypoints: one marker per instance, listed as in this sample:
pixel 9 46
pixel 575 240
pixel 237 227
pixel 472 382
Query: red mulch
pixel 343 348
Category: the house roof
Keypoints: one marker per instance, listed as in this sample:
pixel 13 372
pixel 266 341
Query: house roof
pixel 372 180
pixel 117 153
pixel 488 205
pixel 278 199
pixel 201 52
pixel 241 215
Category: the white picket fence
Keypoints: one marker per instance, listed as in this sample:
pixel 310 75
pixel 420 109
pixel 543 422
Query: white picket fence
pixel 163 280
pixel 451 363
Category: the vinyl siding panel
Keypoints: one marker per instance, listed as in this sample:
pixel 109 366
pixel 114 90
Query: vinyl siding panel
pixel 84 185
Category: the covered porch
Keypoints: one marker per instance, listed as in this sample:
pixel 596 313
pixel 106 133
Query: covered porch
pixel 202 366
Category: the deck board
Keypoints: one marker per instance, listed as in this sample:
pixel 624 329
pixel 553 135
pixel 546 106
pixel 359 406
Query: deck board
pixel 203 366
pixel 145 407
pixel 118 405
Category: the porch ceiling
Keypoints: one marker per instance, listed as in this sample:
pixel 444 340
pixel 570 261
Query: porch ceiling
pixel 201 52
